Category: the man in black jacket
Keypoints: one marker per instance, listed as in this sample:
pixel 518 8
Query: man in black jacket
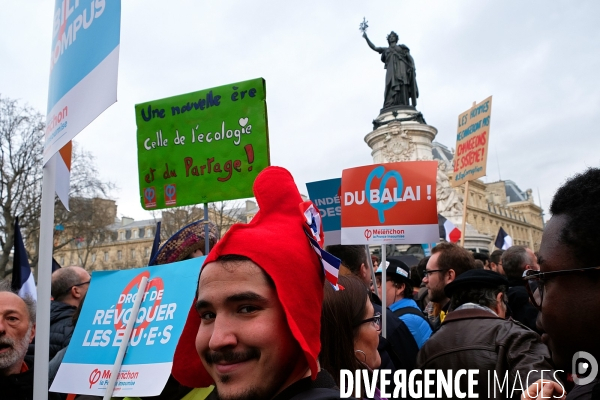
pixel 69 286
pixel 516 260
pixel 475 336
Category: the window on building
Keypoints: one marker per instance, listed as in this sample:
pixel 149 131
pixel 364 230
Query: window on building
pixel 93 257
pixel 132 253
pixel 148 232
pixel 119 255
pixel 122 235
pixel 136 234
pixel 106 256
pixel 147 251
pixel 62 261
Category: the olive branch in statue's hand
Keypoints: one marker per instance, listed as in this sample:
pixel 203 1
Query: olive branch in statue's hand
pixel 363 27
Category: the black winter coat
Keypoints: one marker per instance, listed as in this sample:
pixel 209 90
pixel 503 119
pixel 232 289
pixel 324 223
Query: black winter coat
pixel 20 386
pixel 61 328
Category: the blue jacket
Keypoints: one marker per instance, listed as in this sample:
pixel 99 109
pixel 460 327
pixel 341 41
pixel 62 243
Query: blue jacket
pixel 419 327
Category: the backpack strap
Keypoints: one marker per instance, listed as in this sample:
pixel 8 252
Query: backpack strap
pixel 411 310
pixel 408 310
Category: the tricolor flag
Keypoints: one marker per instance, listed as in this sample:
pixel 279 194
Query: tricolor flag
pixel 22 278
pixel 330 263
pixel 447 230
pixel 313 228
pixel 503 240
pixel 63 173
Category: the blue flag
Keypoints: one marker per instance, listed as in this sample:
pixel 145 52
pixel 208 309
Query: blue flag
pixel 55 265
pixel 155 245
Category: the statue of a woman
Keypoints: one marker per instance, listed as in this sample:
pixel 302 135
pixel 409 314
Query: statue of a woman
pixel 400 78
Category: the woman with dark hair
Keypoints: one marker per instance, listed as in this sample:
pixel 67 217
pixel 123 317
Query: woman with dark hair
pixel 349 310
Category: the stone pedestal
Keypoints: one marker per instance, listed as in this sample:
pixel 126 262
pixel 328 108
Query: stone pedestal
pixel 400 137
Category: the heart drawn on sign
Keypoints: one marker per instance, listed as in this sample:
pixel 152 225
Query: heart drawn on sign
pixel 243 121
pixel 378 172
pixel 149 193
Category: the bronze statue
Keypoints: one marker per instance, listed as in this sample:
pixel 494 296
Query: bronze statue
pixel 400 78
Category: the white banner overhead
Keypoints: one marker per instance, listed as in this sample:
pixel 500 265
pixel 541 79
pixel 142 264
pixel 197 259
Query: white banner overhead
pixel 83 68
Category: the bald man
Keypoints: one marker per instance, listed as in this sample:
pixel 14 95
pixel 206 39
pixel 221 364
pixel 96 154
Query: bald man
pixel 69 286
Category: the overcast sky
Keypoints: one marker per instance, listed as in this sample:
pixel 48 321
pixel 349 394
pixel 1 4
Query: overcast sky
pixel 539 59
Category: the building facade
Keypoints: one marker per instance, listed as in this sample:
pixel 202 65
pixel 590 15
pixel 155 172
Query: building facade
pixel 495 205
pixel 127 243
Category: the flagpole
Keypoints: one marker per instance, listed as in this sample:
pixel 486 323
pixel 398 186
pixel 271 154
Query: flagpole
pixel 42 333
pixel 464 219
pixel 383 305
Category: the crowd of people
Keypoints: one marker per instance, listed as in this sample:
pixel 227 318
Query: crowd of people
pixel 266 325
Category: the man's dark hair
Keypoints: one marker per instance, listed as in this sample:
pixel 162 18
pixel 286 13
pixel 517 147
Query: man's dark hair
pixel 482 257
pixel 452 256
pixel 63 280
pixel 408 285
pixel 408 289
pixel 5 286
pixel 422 265
pixel 483 296
pixel 514 260
pixel 229 260
pixel 416 275
pixel 352 257
pixel 496 256
pixel 577 200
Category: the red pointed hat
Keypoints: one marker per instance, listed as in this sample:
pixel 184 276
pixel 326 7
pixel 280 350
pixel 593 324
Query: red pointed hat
pixel 276 242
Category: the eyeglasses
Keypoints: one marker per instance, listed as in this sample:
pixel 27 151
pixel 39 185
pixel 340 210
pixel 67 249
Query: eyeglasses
pixel 535 280
pixel 426 273
pixel 375 320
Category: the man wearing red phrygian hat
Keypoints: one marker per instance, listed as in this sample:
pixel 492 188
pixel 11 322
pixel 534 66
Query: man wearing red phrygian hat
pixel 255 325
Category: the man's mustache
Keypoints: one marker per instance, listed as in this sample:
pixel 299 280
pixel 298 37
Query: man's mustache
pixel 230 356
pixel 4 341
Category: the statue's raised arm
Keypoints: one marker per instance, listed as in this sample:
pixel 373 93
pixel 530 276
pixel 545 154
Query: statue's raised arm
pixel 371 45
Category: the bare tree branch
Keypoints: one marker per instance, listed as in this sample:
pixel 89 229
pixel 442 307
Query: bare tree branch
pixel 21 144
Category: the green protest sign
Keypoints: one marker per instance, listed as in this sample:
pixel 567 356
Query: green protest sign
pixel 202 147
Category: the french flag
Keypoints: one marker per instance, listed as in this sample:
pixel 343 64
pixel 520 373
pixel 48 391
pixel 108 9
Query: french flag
pixel 330 263
pixel 447 230
pixel 22 278
pixel 503 240
pixel 314 225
